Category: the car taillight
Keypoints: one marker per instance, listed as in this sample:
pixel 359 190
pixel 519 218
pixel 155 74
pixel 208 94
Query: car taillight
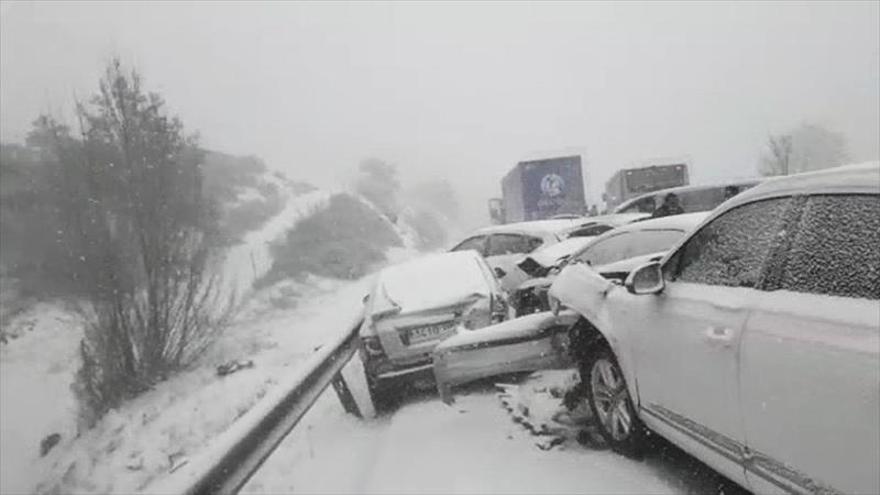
pixel 499 308
pixel 372 346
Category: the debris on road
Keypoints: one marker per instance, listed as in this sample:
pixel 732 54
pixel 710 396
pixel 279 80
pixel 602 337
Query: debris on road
pixel 543 405
pixel 233 366
pixel 49 442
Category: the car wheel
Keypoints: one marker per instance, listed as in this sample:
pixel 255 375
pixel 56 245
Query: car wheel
pixel 611 403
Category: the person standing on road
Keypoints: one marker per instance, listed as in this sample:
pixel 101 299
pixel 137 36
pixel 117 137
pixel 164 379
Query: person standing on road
pixel 670 206
pixel 730 191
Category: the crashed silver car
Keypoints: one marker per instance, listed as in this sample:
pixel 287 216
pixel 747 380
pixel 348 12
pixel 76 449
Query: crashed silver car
pixel 613 255
pixel 415 305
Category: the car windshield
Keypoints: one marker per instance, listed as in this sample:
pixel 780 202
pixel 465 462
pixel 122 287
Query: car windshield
pixel 280 246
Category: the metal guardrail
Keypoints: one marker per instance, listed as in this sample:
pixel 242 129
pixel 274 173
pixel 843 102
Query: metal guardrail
pixel 230 461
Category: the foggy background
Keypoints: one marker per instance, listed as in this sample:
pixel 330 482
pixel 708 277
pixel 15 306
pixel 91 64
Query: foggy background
pixel 464 91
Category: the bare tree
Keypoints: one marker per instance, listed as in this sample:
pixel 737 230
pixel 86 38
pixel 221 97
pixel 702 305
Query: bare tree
pixel 141 229
pixel 807 147
pixel 777 161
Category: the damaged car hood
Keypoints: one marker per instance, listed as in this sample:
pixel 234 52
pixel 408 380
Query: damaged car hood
pixel 427 283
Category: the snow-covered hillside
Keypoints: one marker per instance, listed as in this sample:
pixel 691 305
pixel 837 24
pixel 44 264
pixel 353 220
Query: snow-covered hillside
pixel 276 328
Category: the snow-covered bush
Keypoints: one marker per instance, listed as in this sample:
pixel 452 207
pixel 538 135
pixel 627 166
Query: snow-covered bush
pixel 141 230
pixel 343 240
pixel 429 229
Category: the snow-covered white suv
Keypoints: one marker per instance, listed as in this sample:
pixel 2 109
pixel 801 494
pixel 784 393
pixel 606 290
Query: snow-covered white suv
pixel 754 344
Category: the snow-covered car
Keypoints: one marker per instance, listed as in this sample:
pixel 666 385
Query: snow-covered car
pixel 416 304
pixel 504 246
pixel 691 198
pixel 754 344
pixel 613 254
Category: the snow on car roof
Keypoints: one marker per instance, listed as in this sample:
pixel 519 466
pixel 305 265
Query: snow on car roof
pixel 856 178
pixel 688 188
pixel 434 280
pixel 613 219
pixel 536 227
pixel 560 226
pixel 685 222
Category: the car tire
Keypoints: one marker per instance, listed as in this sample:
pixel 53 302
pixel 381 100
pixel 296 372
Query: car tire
pixel 610 402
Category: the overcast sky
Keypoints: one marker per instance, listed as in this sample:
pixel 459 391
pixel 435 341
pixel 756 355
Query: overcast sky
pixel 461 90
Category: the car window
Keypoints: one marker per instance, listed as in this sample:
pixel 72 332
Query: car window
pixel 645 205
pixel 475 243
pixel 500 244
pixel 651 241
pixel 590 230
pixel 629 245
pixel 836 248
pixel 732 249
pixel 603 251
pixel 701 199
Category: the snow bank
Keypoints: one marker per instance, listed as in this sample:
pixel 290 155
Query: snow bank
pixel 428 447
pixel 250 260
pixel 146 438
pixel 36 370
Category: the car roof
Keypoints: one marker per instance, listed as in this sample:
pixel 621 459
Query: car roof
pixel 689 188
pixel 559 226
pixel 535 227
pixel 611 219
pixel 685 222
pixel 861 178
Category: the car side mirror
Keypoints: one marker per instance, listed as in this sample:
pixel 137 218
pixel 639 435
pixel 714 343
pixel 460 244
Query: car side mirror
pixel 366 298
pixel 499 272
pixel 646 279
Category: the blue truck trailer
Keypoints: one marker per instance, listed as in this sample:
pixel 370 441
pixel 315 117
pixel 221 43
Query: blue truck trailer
pixel 541 189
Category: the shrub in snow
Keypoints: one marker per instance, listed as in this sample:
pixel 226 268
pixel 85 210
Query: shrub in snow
pixel 342 240
pixel 377 181
pixel 429 229
pixel 142 233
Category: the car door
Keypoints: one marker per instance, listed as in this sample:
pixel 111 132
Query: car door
pixel 810 372
pixel 505 251
pixel 684 341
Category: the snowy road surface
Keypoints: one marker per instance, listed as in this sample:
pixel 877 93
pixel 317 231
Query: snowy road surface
pixel 471 447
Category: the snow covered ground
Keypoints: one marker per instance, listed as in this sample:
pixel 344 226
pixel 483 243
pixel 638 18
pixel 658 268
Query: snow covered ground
pixel 425 446
pixel 277 328
pixel 35 396
pixel 148 436
pixel 471 447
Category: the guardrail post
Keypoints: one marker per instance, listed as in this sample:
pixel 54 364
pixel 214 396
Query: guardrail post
pixel 345 396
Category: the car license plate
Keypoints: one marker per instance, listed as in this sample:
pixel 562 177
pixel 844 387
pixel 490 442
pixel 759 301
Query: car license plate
pixel 428 332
